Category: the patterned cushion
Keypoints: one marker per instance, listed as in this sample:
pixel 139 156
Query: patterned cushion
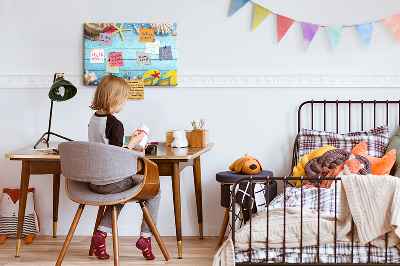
pixel 377 139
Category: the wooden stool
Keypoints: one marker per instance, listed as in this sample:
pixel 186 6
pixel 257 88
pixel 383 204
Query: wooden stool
pixel 229 178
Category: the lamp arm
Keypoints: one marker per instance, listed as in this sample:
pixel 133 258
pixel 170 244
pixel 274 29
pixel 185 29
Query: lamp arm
pixel 51 111
pixel 43 139
pixel 50 116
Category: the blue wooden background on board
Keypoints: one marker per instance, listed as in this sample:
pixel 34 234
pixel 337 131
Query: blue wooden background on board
pixel 129 47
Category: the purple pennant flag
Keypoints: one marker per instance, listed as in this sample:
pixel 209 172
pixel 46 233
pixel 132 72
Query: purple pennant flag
pixel 309 31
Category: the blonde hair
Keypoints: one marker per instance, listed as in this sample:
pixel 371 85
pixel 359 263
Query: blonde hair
pixel 109 93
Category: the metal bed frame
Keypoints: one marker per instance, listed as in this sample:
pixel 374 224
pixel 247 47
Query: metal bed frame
pixel 337 108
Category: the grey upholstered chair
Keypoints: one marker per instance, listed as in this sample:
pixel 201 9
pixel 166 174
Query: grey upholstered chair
pixel 83 162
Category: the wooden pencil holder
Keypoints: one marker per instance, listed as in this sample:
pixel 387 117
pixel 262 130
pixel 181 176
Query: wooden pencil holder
pixel 199 138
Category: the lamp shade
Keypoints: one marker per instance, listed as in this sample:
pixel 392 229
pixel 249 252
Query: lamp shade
pixel 62 90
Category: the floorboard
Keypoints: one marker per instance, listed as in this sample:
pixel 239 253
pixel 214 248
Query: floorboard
pixel 44 251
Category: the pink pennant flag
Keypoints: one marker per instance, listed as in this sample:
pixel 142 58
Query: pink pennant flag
pixel 309 31
pixel 283 25
pixel 393 23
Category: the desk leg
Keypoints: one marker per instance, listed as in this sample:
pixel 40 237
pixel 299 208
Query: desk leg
pixel 176 190
pixel 25 175
pixel 197 187
pixel 56 199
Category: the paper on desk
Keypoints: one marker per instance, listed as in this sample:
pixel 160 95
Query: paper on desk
pixel 48 150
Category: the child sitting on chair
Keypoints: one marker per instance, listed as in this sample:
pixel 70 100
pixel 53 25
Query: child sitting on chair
pixel 110 98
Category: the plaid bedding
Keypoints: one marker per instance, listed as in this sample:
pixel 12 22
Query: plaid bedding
pixel 377 140
pixel 310 199
pixel 326 252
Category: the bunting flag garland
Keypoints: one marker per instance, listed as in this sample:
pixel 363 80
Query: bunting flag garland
pixel 260 13
pixel 393 24
pixel 283 25
pixel 335 34
pixel 309 30
pixel 236 5
pixel 365 32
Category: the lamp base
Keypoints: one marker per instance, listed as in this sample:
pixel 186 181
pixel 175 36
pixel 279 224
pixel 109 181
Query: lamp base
pixel 45 139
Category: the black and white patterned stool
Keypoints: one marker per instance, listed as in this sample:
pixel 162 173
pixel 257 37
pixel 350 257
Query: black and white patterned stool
pixel 227 179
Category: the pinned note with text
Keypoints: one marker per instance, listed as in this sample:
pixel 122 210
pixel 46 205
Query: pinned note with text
pixel 116 59
pixel 96 56
pixel 143 58
pixel 165 53
pixel 114 70
pixel 146 35
pixel 137 89
pixel 153 47
pixel 105 39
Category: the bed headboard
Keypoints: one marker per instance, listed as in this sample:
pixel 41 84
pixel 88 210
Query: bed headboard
pixel 350 113
pixel 347 116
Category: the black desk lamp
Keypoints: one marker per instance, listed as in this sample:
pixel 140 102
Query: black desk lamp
pixel 61 90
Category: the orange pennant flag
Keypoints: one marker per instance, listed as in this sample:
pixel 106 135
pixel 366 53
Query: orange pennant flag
pixel 393 23
pixel 283 25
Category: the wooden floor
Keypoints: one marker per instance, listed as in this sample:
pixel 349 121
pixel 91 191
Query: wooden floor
pixel 44 250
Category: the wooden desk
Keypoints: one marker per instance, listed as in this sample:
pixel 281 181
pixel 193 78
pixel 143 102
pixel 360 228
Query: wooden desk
pixel 170 162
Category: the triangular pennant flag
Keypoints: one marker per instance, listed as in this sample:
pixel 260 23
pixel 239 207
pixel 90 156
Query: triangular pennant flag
pixel 335 35
pixel 236 5
pixel 260 13
pixel 365 32
pixel 393 23
pixel 309 31
pixel 283 24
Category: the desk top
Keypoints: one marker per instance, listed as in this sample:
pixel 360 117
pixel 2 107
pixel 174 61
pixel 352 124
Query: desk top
pixel 163 153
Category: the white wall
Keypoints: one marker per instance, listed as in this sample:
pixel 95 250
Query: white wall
pixel 44 37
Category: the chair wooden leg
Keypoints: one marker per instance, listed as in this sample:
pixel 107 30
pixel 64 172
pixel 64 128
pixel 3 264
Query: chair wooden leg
pixel 70 234
pixel 223 227
pixel 115 235
pixel 98 220
pixel 154 230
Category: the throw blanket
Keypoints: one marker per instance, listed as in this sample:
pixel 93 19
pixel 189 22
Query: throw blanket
pixel 374 204
pixel 372 201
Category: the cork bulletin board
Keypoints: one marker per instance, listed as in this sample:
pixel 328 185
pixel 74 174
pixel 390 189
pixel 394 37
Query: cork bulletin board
pixel 138 51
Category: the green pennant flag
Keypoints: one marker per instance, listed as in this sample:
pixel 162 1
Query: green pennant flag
pixel 335 34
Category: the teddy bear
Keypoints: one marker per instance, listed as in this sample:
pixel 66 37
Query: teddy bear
pixel 180 140
pixel 9 205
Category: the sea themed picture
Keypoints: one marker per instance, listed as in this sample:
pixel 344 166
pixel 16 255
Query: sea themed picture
pixel 137 51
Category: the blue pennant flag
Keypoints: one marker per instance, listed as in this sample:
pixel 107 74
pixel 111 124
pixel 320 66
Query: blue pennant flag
pixel 335 35
pixel 236 5
pixel 365 32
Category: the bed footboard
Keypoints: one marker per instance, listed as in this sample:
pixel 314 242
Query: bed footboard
pixel 318 255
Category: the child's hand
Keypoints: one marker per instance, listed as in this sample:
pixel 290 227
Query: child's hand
pixel 141 150
pixel 135 139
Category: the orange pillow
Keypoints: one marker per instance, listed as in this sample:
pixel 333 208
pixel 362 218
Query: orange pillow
pixel 380 166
